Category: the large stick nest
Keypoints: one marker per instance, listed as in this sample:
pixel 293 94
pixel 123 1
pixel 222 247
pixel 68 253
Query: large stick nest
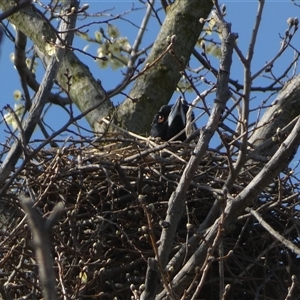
pixel 101 245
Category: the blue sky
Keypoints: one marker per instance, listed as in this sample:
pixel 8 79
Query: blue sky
pixel 240 13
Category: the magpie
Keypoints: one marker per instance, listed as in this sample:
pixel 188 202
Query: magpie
pixel 169 121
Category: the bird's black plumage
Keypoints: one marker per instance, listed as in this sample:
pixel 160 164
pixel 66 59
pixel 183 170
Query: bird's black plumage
pixel 169 121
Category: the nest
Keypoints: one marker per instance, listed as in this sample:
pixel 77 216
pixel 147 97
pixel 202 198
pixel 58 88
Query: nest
pixel 101 244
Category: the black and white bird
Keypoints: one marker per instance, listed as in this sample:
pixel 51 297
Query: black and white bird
pixel 169 121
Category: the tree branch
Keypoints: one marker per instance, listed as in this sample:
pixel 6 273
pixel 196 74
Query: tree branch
pixel 177 199
pixel 38 104
pixel 84 91
pixel 40 232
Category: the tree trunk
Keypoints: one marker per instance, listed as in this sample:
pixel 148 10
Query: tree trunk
pixel 284 110
pixel 156 85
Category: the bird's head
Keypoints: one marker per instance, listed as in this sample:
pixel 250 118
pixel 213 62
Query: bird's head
pixel 169 121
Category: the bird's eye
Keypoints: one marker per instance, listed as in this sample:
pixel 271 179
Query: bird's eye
pixel 160 119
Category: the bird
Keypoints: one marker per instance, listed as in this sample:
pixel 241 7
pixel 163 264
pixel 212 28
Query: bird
pixel 170 120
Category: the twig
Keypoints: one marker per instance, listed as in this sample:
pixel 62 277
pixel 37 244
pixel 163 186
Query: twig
pixel 275 233
pixel 244 118
pixel 140 34
pixel 291 288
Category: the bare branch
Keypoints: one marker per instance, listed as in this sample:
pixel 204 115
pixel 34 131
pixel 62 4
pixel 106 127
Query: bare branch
pixel 274 233
pixel 40 233
pixel 176 201
pixel 37 107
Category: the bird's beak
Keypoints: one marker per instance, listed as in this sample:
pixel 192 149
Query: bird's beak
pixel 177 110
